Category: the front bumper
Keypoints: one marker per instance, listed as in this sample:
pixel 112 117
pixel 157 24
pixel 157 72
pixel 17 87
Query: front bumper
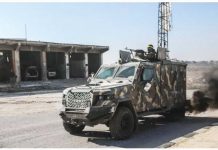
pixel 96 115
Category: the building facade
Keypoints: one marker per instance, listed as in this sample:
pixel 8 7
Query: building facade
pixel 36 60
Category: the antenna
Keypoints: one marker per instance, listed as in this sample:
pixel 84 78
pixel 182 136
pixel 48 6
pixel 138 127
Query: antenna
pixel 25 32
pixel 164 24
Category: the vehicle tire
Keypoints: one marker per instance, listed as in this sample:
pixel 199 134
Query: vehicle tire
pixel 73 128
pixel 122 124
pixel 175 114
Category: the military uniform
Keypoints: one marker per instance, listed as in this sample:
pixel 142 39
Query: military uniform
pixel 151 55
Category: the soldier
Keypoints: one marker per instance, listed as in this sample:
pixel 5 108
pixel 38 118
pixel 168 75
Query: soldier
pixel 151 53
pixel 151 49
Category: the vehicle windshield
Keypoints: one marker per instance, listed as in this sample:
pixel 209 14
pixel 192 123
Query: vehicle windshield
pixel 125 72
pixel 105 72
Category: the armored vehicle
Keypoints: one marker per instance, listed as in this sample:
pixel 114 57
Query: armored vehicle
pixel 120 94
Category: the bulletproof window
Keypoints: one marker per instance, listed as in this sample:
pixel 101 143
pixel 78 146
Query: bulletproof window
pixel 106 72
pixel 148 74
pixel 125 71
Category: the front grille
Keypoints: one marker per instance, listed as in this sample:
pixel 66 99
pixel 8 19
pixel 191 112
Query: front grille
pixel 78 100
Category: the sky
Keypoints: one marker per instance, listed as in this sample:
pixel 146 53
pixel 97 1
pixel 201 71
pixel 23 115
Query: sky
pixel 194 35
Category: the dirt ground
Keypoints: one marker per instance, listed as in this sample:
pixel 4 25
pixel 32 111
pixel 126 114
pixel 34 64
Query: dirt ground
pixel 35 97
pixel 34 102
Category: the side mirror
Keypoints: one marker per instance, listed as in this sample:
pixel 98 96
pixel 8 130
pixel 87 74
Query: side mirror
pixel 92 74
pixel 91 77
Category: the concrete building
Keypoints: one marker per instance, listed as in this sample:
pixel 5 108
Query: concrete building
pixel 36 60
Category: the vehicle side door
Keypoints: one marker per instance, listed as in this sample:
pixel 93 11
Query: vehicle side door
pixel 149 89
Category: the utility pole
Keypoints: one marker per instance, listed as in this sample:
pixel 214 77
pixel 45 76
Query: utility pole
pixel 164 25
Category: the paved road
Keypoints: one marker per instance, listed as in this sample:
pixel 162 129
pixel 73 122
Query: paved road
pixel 32 120
pixel 45 130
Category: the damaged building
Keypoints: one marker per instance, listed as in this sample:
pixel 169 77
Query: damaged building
pixel 36 60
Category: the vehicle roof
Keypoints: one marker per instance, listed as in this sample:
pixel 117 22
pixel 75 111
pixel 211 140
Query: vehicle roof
pixel 110 65
pixel 136 63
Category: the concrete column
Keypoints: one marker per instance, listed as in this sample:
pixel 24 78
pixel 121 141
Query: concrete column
pixel 101 58
pixel 86 65
pixel 67 65
pixel 16 63
pixel 43 66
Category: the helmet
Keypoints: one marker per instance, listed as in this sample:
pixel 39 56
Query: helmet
pixel 150 46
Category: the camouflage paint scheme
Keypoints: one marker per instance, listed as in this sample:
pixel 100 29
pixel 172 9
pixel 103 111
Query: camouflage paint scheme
pixel 166 90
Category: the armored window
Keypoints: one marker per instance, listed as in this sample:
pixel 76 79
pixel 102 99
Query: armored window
pixel 148 74
pixel 125 71
pixel 106 72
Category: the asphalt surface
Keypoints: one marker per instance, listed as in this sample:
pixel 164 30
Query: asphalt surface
pixel 44 130
pixel 31 120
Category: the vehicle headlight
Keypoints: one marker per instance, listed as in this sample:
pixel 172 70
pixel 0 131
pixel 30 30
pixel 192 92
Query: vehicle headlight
pixel 105 97
pixel 66 91
pixel 64 99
